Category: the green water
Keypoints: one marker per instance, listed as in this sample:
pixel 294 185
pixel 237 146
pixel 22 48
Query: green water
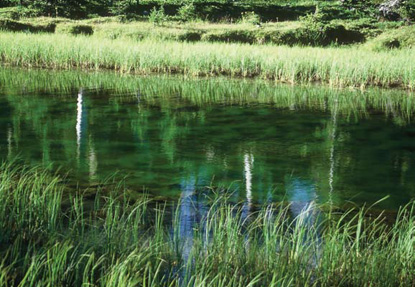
pixel 174 136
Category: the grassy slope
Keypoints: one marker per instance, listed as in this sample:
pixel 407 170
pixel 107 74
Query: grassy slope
pixel 336 66
pixel 403 37
pixel 49 239
pixel 142 47
pixel 286 33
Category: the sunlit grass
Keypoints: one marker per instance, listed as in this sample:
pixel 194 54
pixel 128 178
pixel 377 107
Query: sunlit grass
pixel 334 66
pixel 51 238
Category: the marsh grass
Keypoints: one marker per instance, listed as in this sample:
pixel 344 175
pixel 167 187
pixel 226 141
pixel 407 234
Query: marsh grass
pixel 51 238
pixel 334 66
pixel 353 104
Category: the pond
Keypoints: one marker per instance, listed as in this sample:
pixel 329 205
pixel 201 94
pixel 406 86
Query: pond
pixel 172 137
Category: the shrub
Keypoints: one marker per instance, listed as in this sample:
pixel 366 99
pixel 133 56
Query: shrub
pixel 403 37
pixel 190 36
pixel 250 18
pixel 187 12
pixel 267 36
pixel 76 29
pixel 317 31
pixel 10 13
pixel 157 16
pixel 82 29
pixel 232 36
pixel 125 7
pixel 335 33
pixel 15 26
pixel 321 35
pixel 315 19
pixel 304 36
pixel 407 10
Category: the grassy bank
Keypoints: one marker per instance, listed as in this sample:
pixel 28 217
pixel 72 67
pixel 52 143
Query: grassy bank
pixel 51 238
pixel 335 66
pixel 313 30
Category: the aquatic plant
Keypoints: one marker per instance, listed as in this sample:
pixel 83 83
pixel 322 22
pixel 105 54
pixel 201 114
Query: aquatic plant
pixel 54 236
pixel 355 103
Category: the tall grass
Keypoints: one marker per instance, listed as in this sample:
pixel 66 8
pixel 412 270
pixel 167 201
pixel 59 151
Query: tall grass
pixel 51 238
pixel 355 103
pixel 335 66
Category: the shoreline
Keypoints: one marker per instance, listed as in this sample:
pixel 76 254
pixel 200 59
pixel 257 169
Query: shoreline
pixel 335 67
pixel 177 76
pixel 127 243
pixel 390 87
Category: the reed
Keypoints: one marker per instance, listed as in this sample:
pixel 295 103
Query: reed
pixel 50 237
pixel 351 66
pixel 354 103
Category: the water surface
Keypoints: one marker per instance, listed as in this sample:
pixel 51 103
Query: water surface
pixel 172 136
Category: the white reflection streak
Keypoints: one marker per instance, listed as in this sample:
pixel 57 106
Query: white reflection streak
pixel 9 142
pixel 248 163
pixel 333 138
pixel 79 122
pixel 93 164
pixel 210 154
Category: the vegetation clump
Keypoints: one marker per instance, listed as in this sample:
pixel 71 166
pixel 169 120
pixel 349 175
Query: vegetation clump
pixel 334 66
pixel 403 37
pixel 144 25
pixel 15 26
pixel 251 18
pixel 187 12
pixel 52 238
pixel 76 29
pixel 321 35
pixel 217 10
pixel 157 16
pixel 230 36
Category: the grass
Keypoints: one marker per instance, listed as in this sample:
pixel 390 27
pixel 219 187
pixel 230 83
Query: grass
pixel 53 237
pixel 242 31
pixel 354 103
pixel 403 37
pixel 334 66
pixel 308 31
pixel 201 91
pixel 10 25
